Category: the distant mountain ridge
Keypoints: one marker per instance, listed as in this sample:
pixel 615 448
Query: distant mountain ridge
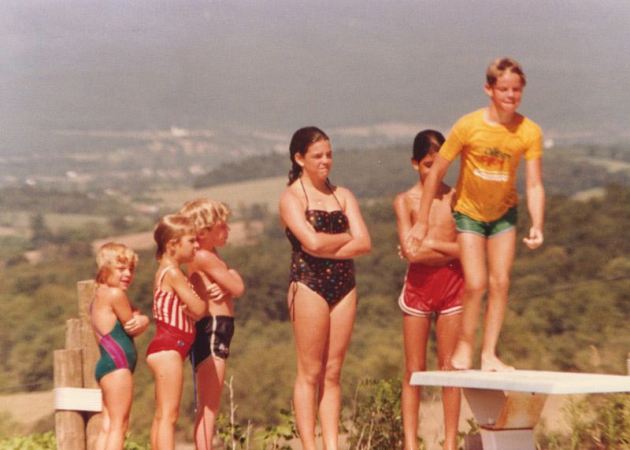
pixel 376 172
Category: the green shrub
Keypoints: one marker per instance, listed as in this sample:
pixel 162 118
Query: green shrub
pixel 376 422
pixel 42 441
pixel 596 423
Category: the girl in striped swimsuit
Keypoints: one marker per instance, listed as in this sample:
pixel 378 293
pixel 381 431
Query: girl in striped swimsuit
pixel 176 306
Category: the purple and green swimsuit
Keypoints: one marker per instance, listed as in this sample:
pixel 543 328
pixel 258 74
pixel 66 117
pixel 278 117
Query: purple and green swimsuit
pixel 117 352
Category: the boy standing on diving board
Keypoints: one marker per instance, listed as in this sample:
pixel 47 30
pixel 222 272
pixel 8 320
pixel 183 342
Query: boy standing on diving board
pixel 490 143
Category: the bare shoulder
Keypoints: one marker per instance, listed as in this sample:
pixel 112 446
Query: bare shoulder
pixel 174 273
pixel 399 200
pixel 205 259
pixel 401 205
pixel 406 199
pixel 204 256
pixel 343 194
pixel 291 196
pixel 112 294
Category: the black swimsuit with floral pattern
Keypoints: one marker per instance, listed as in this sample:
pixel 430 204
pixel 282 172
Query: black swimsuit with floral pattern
pixel 332 279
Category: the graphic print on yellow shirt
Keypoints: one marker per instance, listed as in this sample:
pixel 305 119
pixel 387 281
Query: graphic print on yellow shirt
pixel 490 155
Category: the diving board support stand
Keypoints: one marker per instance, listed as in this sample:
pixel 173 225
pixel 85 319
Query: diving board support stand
pixel 506 419
pixel 508 405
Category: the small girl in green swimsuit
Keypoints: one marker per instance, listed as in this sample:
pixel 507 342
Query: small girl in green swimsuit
pixel 115 323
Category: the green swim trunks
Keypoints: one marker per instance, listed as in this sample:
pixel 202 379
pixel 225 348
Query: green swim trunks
pixel 504 223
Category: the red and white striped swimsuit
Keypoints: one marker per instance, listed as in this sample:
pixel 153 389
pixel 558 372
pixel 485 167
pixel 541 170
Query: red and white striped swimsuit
pixel 167 308
pixel 174 330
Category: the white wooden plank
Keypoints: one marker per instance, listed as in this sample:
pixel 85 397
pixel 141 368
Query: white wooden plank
pixel 78 399
pixel 526 381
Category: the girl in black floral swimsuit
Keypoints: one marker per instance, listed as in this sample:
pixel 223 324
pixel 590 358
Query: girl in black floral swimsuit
pixel 331 278
pixel 326 230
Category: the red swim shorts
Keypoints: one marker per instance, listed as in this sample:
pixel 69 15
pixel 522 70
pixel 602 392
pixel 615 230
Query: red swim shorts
pixel 432 289
pixel 168 337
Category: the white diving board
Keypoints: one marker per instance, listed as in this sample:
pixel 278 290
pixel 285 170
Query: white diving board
pixel 526 381
pixel 507 405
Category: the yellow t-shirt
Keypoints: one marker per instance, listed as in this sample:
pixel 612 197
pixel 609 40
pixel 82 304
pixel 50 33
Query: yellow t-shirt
pixel 490 155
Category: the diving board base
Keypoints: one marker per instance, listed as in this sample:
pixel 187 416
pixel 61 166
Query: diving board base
pixel 508 439
pixel 507 419
pixel 508 405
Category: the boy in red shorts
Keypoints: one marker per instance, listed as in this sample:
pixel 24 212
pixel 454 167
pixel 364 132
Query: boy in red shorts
pixel 434 285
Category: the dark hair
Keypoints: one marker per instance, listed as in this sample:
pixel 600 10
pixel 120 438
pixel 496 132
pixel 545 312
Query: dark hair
pixel 424 142
pixel 300 142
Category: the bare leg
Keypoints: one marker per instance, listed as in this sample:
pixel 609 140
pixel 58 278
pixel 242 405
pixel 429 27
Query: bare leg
pixel 311 325
pixel 473 259
pixel 339 332
pixel 500 259
pixel 415 334
pixel 168 369
pixel 210 375
pixel 117 389
pixel 101 439
pixel 447 330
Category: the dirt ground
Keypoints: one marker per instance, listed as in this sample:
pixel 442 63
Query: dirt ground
pixel 28 408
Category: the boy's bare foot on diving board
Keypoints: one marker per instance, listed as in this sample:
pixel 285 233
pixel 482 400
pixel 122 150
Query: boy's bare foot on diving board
pixel 491 363
pixel 462 356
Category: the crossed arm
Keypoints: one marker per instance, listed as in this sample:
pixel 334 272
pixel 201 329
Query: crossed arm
pixel 194 306
pixel 347 245
pixel 134 321
pixel 228 281
pixel 430 251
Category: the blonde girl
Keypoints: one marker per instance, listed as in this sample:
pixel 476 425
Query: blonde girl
pixel 176 306
pixel 115 323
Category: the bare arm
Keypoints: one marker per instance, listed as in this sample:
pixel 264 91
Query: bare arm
pixel 195 307
pixel 138 322
pixel 430 187
pixel 292 214
pixel 117 298
pixel 360 242
pixel 448 248
pixel 430 251
pixel 535 202
pixel 229 280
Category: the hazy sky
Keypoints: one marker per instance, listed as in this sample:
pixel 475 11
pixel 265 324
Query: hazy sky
pixel 277 65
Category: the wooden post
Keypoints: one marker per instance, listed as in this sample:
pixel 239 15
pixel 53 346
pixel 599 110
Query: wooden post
pixel 87 340
pixel 85 294
pixel 73 337
pixel 69 425
pixel 74 367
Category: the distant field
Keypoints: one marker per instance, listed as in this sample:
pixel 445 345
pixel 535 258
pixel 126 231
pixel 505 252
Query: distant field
pixel 18 222
pixel 611 165
pixel 589 194
pixel 239 235
pixel 263 191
